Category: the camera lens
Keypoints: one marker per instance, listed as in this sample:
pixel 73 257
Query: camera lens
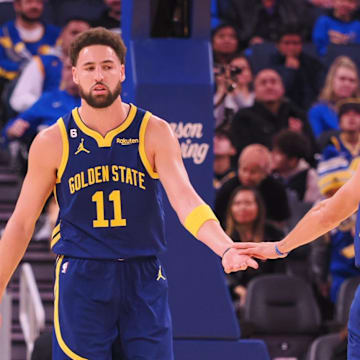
pixel 235 70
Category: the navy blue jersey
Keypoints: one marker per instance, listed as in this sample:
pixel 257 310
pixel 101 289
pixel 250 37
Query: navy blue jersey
pixel 109 196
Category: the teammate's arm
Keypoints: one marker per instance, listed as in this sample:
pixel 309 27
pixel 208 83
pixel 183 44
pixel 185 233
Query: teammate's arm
pixel 163 150
pixel 38 183
pixel 322 218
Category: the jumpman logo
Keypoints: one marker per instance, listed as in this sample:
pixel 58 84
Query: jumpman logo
pixel 160 275
pixel 81 148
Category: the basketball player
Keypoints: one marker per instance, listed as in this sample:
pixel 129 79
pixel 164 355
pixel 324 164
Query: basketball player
pixel 105 160
pixel 322 218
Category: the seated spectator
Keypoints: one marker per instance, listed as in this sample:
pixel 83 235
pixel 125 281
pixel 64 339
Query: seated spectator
pixel 339 161
pixel 24 37
pixel 47 109
pixel 225 44
pixel 254 170
pixel 301 73
pixel 233 90
pixel 338 248
pixel 342 81
pixel 223 152
pixel 43 73
pixel 110 17
pixel 290 149
pixel 342 154
pixel 259 20
pixel 339 28
pixel 270 113
pixel 245 221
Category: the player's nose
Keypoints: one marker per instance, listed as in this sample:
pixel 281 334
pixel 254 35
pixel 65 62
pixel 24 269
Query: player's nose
pixel 98 74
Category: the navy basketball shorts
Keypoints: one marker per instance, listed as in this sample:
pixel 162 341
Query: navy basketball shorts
pixel 102 302
pixel 354 328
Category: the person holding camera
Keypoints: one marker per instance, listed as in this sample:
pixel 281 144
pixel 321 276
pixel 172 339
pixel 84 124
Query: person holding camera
pixel 233 89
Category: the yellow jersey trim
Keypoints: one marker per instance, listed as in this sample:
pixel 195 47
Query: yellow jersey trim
pixel 6 42
pixel 197 217
pixel 142 152
pixel 65 150
pixel 55 240
pixel 9 75
pixel 59 338
pixel 56 230
pixel 109 137
pixel 55 195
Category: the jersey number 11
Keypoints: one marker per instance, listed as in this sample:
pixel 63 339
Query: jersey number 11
pixel 100 221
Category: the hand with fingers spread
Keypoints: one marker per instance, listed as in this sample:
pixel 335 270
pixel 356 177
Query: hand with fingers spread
pixel 262 250
pixel 233 260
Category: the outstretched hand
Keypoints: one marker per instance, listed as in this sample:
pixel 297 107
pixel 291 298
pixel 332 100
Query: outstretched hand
pixel 262 250
pixel 233 260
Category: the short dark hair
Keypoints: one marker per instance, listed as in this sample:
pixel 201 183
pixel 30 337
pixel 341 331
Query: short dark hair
pixel 292 144
pixel 290 29
pixel 75 18
pixel 97 36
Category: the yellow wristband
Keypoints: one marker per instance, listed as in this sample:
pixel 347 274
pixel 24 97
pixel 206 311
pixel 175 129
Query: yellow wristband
pixel 198 217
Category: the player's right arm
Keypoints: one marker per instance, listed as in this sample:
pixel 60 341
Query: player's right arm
pixel 44 157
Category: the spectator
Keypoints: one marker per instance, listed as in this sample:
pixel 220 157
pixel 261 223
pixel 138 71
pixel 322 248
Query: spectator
pixel 339 160
pixel 43 73
pixel 342 81
pixel 47 109
pixel 233 90
pixel 223 152
pixel 254 171
pixel 24 37
pixel 110 17
pixel 340 264
pixel 225 44
pixel 259 20
pixel 271 113
pixel 339 28
pixel 342 154
pixel 290 149
pixel 245 221
pixel 302 74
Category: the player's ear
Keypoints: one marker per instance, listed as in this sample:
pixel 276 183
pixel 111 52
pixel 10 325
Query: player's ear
pixel 75 75
pixel 122 73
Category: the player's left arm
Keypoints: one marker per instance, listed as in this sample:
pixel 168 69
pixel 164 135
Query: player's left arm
pixel 163 152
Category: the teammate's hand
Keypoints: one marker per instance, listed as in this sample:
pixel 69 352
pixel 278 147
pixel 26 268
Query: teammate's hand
pixel 262 250
pixel 234 261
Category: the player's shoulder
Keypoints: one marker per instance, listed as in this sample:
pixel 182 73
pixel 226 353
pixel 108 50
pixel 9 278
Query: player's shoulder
pixel 48 143
pixel 158 126
pixel 159 134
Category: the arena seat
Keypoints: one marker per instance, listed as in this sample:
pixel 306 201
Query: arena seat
pixel 344 299
pixel 350 50
pixel 283 312
pixel 323 347
pixel 259 55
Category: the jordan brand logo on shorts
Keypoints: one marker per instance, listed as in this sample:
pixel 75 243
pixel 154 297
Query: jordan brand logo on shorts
pixel 81 147
pixel 160 275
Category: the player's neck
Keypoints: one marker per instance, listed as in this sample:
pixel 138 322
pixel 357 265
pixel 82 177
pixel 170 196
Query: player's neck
pixel 105 119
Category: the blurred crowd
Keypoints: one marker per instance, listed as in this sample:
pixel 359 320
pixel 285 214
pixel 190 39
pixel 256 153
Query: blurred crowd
pixel 287 130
